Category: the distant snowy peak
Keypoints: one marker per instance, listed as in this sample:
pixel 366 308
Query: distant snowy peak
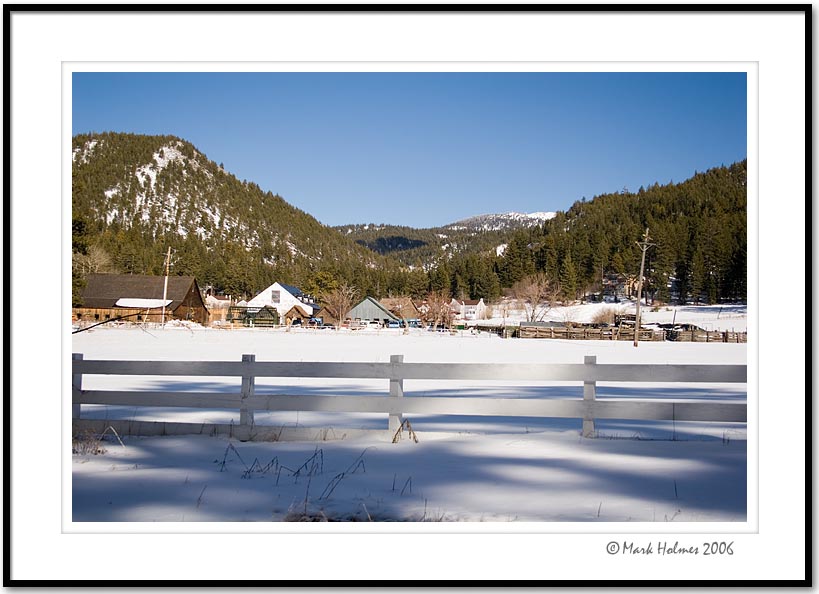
pixel 509 220
pixel 543 216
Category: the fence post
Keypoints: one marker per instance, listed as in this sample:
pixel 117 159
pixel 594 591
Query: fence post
pixel 76 387
pixel 589 393
pixel 248 390
pixel 396 391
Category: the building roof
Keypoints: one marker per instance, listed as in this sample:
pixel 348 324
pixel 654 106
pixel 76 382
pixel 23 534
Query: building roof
pixel 104 290
pixel 294 291
pixel 400 306
pixel 306 310
pixel 262 298
pixel 142 303
pixel 370 309
pixel 463 302
pixel 218 301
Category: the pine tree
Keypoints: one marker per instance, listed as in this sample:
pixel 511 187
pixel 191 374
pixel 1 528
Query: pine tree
pixel 439 278
pixel 568 278
pixel 216 223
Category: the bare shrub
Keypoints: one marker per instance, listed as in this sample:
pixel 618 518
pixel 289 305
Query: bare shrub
pixel 87 443
pixel 537 293
pixel 604 316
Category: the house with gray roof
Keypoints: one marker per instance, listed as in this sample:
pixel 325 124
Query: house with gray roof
pixel 370 310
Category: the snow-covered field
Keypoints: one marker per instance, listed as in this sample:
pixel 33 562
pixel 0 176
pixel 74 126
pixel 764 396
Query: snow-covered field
pixel 462 469
pixel 718 318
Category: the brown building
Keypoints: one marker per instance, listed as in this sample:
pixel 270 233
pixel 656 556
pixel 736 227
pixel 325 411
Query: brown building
pixel 402 307
pixel 109 296
pixel 218 308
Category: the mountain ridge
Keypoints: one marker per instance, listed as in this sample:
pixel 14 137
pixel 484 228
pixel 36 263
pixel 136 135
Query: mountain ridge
pixel 134 196
pixel 485 233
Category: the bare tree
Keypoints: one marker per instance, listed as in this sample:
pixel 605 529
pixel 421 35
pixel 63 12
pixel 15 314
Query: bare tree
pixel 402 305
pixel 537 293
pixel 96 261
pixel 439 312
pixel 339 301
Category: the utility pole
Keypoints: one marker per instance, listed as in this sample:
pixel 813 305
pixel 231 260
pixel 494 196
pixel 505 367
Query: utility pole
pixel 644 245
pixel 165 290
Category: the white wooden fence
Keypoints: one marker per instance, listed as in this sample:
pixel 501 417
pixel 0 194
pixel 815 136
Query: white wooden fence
pixel 395 405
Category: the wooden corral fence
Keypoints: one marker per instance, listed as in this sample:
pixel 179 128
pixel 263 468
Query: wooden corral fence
pixel 706 336
pixel 395 405
pixel 626 333
pixel 582 333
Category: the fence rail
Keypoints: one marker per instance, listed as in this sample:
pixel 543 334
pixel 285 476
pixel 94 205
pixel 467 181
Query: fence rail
pixel 627 334
pixel 610 333
pixel 394 404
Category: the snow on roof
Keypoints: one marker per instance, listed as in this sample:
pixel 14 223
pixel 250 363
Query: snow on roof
pixel 103 290
pixel 306 309
pixel 142 303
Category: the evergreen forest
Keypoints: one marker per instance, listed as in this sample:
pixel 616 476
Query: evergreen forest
pixel 136 196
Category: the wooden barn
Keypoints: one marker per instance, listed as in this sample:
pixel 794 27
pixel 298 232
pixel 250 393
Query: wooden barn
pixel 109 296
pixel 401 307
pixel 370 310
pixel 303 313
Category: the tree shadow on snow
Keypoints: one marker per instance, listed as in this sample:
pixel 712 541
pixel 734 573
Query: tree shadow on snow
pixel 448 423
pixel 205 479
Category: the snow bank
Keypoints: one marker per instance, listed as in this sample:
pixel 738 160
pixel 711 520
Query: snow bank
pixel 462 469
pixel 717 318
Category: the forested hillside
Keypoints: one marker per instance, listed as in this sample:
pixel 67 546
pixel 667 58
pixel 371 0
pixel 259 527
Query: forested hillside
pixel 426 248
pixel 698 228
pixel 135 196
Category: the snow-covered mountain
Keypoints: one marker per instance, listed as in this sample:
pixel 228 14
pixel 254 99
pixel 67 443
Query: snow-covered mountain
pixel 502 221
pixel 484 233
pixel 135 195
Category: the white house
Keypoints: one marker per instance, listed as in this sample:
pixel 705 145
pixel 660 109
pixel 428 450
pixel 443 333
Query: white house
pixel 468 309
pixel 283 298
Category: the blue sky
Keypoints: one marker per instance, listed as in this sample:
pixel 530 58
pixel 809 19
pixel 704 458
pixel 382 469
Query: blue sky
pixel 427 149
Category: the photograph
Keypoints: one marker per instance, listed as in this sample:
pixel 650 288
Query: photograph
pixel 411 296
